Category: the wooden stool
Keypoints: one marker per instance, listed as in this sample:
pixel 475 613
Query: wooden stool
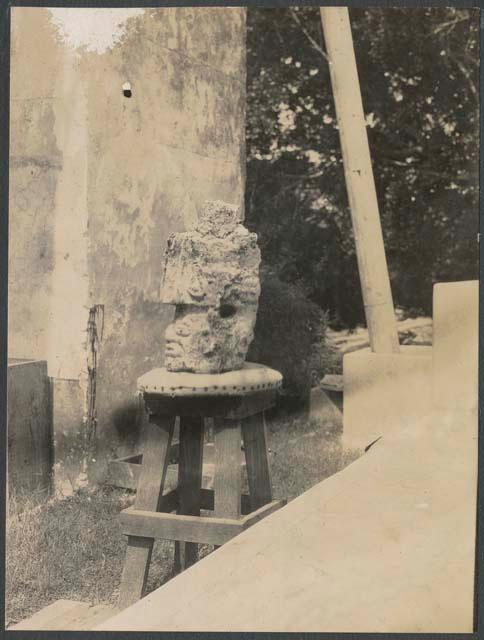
pixel 236 400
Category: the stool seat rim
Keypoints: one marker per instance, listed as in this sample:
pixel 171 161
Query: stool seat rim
pixel 252 378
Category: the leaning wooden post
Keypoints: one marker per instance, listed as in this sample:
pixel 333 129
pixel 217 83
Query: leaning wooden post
pixel 372 265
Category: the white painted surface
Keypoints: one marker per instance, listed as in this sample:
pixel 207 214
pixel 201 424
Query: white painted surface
pixel 95 30
pixel 69 302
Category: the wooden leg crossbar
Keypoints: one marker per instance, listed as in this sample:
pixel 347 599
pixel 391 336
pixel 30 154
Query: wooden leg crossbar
pixel 176 515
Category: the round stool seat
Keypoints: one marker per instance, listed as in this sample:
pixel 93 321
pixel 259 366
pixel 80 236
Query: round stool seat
pixel 252 377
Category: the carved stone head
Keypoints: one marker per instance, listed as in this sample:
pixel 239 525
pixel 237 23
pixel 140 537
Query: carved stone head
pixel 212 276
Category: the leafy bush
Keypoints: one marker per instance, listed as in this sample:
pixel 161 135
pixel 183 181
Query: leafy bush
pixel 290 336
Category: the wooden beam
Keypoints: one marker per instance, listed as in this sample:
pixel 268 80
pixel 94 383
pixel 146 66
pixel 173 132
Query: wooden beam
pixel 189 483
pixel 169 502
pixel 228 470
pixel 170 526
pixel 207 501
pixel 262 513
pixel 256 454
pixel 360 183
pixel 149 496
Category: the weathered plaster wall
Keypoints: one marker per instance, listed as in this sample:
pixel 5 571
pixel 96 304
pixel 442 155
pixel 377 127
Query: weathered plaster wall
pixel 117 176
pixel 176 142
pixel 35 165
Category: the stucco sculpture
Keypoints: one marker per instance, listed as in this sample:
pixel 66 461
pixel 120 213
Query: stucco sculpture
pixel 211 274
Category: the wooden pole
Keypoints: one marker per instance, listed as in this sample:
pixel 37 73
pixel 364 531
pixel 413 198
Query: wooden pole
pixel 372 265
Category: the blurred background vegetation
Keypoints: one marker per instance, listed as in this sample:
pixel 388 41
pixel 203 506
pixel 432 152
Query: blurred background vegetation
pixel 419 76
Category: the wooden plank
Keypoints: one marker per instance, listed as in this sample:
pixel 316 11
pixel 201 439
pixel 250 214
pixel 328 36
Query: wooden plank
pixel 228 470
pixel 124 472
pixel 159 432
pixel 360 183
pixel 251 404
pixel 170 526
pixel 207 501
pixel 209 433
pixel 233 407
pixel 262 513
pixel 169 502
pixel 189 483
pixel 256 455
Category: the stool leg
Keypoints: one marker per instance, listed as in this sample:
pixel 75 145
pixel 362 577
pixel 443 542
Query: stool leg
pixel 228 470
pixel 189 483
pixel 257 460
pixel 150 489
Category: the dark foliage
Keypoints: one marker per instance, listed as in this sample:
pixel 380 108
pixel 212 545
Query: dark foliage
pixel 289 336
pixel 419 79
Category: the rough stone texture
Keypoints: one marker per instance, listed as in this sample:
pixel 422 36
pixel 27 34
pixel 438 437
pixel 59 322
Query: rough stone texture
pixel 212 276
pixel 99 181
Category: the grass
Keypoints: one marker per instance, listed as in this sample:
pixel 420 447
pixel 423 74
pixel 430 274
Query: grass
pixel 304 452
pixel 74 548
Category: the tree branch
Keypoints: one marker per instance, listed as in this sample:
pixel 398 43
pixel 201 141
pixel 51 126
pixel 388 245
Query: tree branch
pixel 450 24
pixel 466 74
pixel 313 42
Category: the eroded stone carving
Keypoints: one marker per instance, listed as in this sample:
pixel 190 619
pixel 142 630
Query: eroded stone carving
pixel 212 276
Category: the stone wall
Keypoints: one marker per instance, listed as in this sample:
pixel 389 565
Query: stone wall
pixel 99 179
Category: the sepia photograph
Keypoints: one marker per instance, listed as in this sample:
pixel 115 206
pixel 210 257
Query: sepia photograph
pixel 243 295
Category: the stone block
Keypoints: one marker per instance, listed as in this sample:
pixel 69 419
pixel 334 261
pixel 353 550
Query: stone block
pixel 29 430
pixel 211 274
pixel 384 546
pixel 384 393
pixel 455 352
pixel 321 407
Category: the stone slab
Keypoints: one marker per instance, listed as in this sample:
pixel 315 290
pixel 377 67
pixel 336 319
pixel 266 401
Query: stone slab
pixel 384 392
pixel 29 431
pixel 386 545
pixel 322 407
pixel 66 615
pixel 455 354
